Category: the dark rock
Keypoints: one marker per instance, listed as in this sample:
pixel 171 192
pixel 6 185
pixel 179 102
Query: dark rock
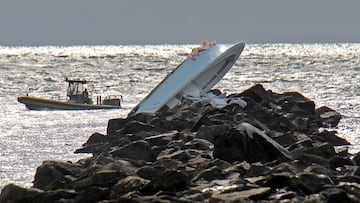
pixel 133 127
pixel 209 133
pixel 313 183
pixel 241 196
pixel 356 159
pixel 179 123
pixel 93 194
pixel 279 180
pixel 121 141
pixel 134 137
pixel 180 155
pixel 346 178
pixel 199 144
pixel 55 175
pixel 257 169
pixel 16 194
pixel 304 105
pixel 240 168
pixel 205 120
pixel 328 116
pixel 235 108
pixel 157 150
pixel 55 195
pixel 343 151
pixel 97 138
pixel 295 102
pixel 138 150
pixel 330 137
pixel 247 143
pixel 219 163
pixel 107 162
pixel 128 200
pixel 256 93
pixel 350 170
pixel 290 168
pixel 196 164
pixel 312 198
pixel 322 149
pixel 314 159
pixel 317 169
pixel 335 195
pixel 213 173
pixel 352 189
pixel 94 148
pixel 116 124
pixel 95 144
pixel 185 137
pixel 197 197
pixel 301 123
pixel 169 180
pixel 283 195
pixel 150 172
pixel 168 163
pixel 161 139
pixel 285 139
pixel 103 178
pixel 129 184
pixel 338 161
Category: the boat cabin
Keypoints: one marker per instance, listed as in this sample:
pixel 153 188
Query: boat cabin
pixel 77 91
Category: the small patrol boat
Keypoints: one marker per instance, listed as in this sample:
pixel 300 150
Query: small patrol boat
pixel 78 98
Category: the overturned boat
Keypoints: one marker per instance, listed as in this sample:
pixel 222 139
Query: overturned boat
pixel 193 79
pixel 78 98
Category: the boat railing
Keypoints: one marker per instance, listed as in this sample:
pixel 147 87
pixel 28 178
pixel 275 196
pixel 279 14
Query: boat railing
pixel 114 97
pixel 109 100
pixel 58 97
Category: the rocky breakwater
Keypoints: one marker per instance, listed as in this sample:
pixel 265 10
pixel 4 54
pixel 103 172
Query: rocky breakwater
pixel 277 148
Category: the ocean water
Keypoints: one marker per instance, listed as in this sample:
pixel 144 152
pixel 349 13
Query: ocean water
pixel 325 73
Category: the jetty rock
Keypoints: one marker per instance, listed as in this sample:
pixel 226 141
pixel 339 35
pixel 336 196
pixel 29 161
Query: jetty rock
pixel 279 147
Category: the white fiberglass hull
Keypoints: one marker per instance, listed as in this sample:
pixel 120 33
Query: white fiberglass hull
pixel 191 79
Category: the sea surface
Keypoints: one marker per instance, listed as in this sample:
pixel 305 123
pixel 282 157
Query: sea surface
pixel 325 73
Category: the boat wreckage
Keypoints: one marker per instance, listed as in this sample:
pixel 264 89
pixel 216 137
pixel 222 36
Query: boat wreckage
pixel 192 80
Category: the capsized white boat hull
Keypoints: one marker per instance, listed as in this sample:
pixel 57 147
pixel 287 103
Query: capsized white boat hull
pixel 192 79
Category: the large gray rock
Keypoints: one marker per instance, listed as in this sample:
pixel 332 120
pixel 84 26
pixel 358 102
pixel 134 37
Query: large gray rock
pixel 328 116
pixel 128 184
pixel 56 174
pixel 247 143
pixel 169 180
pixel 313 183
pixel 103 178
pixel 241 196
pixel 138 150
pixel 210 133
pixel 17 194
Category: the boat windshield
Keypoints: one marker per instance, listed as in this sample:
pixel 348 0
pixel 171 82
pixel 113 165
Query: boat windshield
pixel 77 91
pixel 75 88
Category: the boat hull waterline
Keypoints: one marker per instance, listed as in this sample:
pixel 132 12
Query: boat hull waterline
pixel 37 103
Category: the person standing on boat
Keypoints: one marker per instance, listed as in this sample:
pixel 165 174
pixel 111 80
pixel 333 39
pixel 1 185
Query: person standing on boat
pixel 86 97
